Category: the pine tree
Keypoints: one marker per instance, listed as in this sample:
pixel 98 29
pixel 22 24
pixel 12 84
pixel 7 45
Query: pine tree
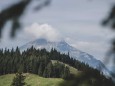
pixel 18 80
pixel 48 72
pixel 66 73
pixel 40 70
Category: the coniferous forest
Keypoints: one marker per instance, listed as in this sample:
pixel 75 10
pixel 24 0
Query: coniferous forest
pixel 39 62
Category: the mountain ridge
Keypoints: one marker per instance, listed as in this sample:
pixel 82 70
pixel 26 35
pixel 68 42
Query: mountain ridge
pixel 64 47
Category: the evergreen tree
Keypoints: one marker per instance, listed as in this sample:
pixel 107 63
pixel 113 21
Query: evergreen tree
pixel 48 72
pixel 66 73
pixel 18 80
pixel 40 70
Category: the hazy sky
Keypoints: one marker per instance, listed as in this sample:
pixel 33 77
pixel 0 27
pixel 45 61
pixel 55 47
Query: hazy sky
pixel 76 21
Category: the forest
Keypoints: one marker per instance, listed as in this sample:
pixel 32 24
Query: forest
pixel 39 62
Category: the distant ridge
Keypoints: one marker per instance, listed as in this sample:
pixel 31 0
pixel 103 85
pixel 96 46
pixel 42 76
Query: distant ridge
pixel 64 47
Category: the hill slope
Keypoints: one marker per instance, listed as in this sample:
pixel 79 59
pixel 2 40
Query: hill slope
pixel 31 79
pixel 73 70
pixel 79 79
pixel 36 80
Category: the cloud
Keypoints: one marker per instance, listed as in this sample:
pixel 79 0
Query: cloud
pixel 45 31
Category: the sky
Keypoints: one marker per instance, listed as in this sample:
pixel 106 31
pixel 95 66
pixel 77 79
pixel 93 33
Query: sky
pixel 78 22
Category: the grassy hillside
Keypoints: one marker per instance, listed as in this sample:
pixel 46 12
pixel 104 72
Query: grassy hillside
pixel 31 79
pixel 73 70
pixel 5 80
pixel 35 80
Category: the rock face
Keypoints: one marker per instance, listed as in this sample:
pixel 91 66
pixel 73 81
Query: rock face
pixel 64 47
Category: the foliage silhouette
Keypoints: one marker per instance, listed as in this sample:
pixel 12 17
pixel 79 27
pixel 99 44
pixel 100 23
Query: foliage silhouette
pixel 14 12
pixel 110 21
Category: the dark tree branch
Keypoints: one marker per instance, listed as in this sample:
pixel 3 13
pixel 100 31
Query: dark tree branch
pixel 14 12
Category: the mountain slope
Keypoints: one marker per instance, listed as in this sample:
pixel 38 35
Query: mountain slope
pixel 64 47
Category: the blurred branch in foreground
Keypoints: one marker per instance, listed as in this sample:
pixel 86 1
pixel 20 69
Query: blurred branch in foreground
pixel 110 21
pixel 14 12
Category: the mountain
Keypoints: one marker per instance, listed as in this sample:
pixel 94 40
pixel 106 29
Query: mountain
pixel 64 47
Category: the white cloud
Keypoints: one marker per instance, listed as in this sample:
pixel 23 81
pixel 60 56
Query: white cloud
pixel 45 31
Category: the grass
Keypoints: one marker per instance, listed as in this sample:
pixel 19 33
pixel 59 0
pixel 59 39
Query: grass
pixel 73 70
pixel 5 80
pixel 35 80
pixel 32 80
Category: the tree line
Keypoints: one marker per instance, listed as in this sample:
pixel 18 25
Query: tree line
pixel 39 62
pixel 31 61
pixel 35 61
